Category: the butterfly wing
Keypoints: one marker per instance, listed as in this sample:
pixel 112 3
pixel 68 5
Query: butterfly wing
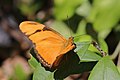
pixel 49 44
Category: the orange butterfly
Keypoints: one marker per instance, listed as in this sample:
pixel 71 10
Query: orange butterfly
pixel 49 44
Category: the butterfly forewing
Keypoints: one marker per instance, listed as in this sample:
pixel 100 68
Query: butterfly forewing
pixel 49 44
pixel 30 27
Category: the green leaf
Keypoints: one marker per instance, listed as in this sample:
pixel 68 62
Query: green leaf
pixel 62 28
pixel 117 30
pixel 28 8
pixel 81 28
pixel 89 56
pixel 82 47
pixel 104 33
pixel 105 69
pixel 41 74
pixel 82 38
pixel 64 8
pixel 72 65
pixel 84 54
pixel 103 45
pixel 74 68
pixel 84 9
pixel 19 73
pixel 118 67
pixel 104 15
pixel 33 62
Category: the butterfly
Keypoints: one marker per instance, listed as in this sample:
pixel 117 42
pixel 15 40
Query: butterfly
pixel 50 46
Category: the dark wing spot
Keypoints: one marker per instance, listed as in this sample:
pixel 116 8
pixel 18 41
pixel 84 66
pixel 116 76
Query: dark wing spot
pixel 34 32
pixel 46 29
pixel 32 23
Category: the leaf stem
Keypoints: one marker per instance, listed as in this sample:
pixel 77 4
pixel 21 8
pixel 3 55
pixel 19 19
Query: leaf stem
pixel 115 53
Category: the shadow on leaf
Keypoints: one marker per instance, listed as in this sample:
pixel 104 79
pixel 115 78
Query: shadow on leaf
pixel 71 65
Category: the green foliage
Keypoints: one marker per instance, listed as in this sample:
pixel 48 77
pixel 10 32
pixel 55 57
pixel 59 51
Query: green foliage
pixel 81 28
pixel 118 69
pixel 29 7
pixel 19 73
pixel 33 62
pixel 104 14
pixel 97 20
pixel 105 70
pixel 103 45
pixel 84 9
pixel 102 71
pixel 62 28
pixel 39 72
pixel 61 73
pixel 64 8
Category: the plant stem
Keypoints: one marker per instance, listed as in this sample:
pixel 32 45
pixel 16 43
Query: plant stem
pixel 115 53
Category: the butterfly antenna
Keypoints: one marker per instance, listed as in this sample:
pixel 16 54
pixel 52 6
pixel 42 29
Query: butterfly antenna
pixel 68 22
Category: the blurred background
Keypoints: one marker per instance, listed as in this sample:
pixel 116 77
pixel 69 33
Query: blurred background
pixel 100 19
